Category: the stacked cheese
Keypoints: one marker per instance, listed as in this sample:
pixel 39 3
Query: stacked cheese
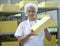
pixel 9 8
pixel 48 4
pixel 30 1
pixel 0 7
pixel 8 26
pixel 42 24
pixel 21 4
pixel 13 43
pixel 50 43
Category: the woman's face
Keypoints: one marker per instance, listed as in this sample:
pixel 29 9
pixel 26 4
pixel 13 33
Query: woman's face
pixel 31 13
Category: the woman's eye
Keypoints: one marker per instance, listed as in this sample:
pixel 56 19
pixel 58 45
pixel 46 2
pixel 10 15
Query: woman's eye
pixel 28 11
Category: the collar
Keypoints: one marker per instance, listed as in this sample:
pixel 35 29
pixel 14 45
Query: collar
pixel 28 22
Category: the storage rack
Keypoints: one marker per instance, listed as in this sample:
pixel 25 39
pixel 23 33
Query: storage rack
pixel 4 37
pixel 11 35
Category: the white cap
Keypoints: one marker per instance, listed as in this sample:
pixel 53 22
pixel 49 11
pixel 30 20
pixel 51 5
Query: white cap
pixel 30 5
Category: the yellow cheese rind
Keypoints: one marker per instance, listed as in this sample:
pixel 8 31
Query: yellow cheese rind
pixel 21 4
pixel 0 7
pixel 54 23
pixel 8 26
pixel 30 1
pixel 48 4
pixel 13 43
pixel 50 43
pixel 9 8
pixel 42 24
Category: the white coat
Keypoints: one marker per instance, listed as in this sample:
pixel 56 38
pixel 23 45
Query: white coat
pixel 24 29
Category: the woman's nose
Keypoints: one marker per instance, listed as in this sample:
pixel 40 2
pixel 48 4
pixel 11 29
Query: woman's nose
pixel 31 13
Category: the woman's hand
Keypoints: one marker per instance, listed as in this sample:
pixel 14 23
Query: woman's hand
pixel 47 34
pixel 32 33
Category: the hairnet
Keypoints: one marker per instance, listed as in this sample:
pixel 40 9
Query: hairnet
pixel 30 5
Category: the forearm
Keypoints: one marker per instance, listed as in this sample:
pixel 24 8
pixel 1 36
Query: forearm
pixel 23 39
pixel 47 34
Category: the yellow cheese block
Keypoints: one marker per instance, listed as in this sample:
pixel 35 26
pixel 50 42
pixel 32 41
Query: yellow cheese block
pixel 39 16
pixel 8 26
pixel 50 43
pixel 10 8
pixel 13 43
pixel 0 7
pixel 54 23
pixel 30 1
pixel 42 24
pixel 48 4
pixel 21 4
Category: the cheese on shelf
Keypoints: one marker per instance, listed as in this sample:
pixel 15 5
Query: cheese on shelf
pixel 0 7
pixel 8 26
pixel 21 4
pixel 9 8
pixel 50 43
pixel 13 43
pixel 48 4
pixel 30 1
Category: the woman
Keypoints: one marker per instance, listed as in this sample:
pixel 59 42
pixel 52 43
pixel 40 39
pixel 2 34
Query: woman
pixel 25 36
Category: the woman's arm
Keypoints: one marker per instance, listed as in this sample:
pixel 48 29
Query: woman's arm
pixel 47 34
pixel 22 39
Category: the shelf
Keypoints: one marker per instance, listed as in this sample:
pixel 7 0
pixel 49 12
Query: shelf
pixel 11 33
pixel 7 37
pixel 8 13
pixel 11 37
pixel 45 9
pixel 40 10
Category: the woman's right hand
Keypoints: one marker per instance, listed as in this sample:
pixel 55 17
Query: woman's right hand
pixel 32 33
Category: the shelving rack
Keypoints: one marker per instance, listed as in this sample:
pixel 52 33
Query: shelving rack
pixel 4 37
pixel 58 28
pixel 40 10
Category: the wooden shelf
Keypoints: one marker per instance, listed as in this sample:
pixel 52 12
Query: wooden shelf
pixel 9 13
pixel 45 9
